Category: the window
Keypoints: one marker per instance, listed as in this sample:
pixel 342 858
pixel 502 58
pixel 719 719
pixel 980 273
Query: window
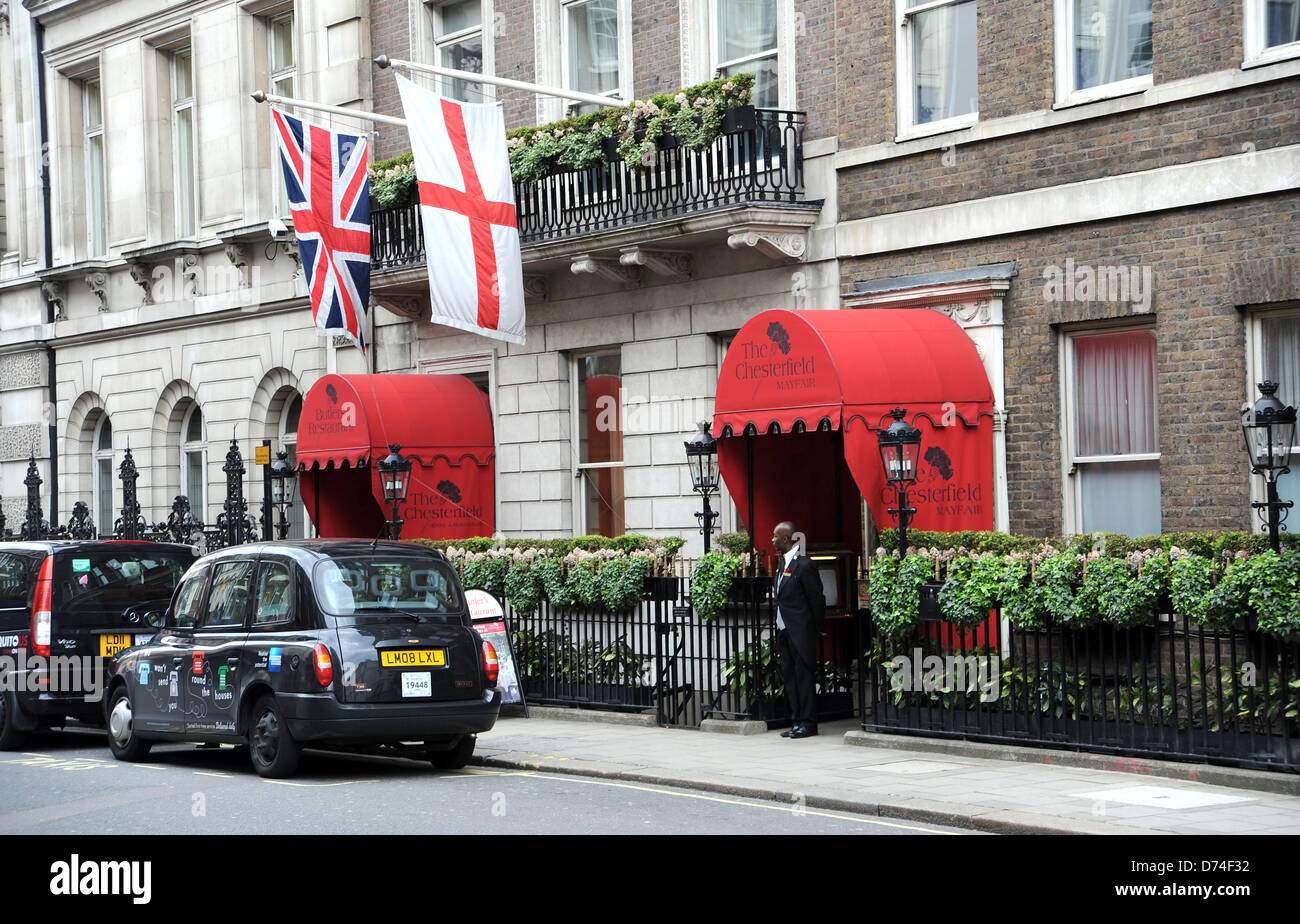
pixel 92 116
pixel 1103 48
pixel 458 42
pixel 589 42
pixel 598 387
pixel 283 69
pixel 1112 438
pixel 182 80
pixel 228 602
pixel 1271 30
pixel 1276 358
pixel 189 600
pixel 938 75
pixel 745 42
pixel 274 597
pixel 103 455
pixel 194 462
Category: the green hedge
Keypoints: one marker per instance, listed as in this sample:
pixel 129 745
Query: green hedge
pixel 1216 579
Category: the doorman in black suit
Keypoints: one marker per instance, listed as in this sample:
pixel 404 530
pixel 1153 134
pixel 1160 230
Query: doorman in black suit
pixel 800 608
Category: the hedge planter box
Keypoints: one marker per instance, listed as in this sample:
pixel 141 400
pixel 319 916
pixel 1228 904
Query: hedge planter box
pixel 739 119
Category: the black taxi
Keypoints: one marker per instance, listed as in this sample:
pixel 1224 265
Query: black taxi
pixel 280 644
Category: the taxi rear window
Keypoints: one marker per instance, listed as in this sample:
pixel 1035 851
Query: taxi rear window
pixel 93 584
pixel 362 586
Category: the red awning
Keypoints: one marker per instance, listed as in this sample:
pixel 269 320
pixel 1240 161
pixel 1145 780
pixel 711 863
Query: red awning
pixel 827 368
pixel 792 372
pixel 443 424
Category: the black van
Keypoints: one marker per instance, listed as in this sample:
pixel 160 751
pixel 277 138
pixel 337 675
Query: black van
pixel 66 609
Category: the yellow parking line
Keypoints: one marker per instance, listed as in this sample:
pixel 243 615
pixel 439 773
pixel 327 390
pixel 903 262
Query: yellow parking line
pixel 764 805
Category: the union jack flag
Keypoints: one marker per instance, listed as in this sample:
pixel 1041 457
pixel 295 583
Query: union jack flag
pixel 325 176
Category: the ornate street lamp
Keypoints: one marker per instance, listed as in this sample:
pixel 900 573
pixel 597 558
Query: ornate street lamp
pixel 1269 430
pixel 395 476
pixel 900 450
pixel 702 456
pixel 282 480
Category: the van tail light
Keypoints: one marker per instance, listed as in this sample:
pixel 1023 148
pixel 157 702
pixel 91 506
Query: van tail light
pixel 42 604
pixel 490 663
pixel 324 666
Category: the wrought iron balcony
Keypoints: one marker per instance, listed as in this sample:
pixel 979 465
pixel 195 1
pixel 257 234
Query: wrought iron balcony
pixel 760 164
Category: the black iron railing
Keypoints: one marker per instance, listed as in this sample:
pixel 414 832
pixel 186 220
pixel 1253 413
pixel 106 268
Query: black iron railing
pixel 759 164
pixel 661 657
pixel 1169 690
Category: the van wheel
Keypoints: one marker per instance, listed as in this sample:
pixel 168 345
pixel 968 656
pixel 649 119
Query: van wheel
pixel 122 739
pixel 271 747
pixel 453 759
pixel 10 737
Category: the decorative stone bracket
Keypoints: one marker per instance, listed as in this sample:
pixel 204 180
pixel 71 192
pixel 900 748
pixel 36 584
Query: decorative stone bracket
pixel 97 282
pixel 606 268
pixel 408 306
pixel 56 293
pixel 535 287
pixel 776 242
pixel 237 254
pixel 674 264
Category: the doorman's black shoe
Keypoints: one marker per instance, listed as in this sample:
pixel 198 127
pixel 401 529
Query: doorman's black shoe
pixel 803 731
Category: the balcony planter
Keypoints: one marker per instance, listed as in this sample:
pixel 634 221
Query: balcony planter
pixel 739 119
pixel 610 148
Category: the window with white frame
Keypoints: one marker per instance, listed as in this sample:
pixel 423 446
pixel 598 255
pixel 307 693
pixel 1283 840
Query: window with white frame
pixel 103 475
pixel 92 120
pixel 598 419
pixel 1275 357
pixel 938 80
pixel 183 156
pixel 1271 30
pixel 458 44
pixel 745 41
pixel 1112 432
pixel 282 69
pixel 589 41
pixel 1103 48
pixel 194 457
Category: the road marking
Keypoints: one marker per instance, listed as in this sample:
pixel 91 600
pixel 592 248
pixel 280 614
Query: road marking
pixel 224 776
pixel 764 805
pixel 49 762
pixel 316 785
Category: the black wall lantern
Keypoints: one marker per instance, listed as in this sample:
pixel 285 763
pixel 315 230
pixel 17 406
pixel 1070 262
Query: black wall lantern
pixel 282 481
pixel 702 456
pixel 900 451
pixel 1269 430
pixel 395 476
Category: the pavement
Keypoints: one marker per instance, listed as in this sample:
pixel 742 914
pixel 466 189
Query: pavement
pixel 965 784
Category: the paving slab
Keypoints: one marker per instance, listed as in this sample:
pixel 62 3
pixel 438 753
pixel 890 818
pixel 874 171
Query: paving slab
pixel 984 788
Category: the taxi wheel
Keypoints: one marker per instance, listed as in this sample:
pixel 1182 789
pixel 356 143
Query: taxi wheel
pixel 10 737
pixel 454 759
pixel 122 740
pixel 272 748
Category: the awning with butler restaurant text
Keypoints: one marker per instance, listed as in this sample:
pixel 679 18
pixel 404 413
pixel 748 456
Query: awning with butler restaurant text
pixel 443 424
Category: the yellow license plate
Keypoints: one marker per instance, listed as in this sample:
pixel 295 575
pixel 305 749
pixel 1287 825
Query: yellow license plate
pixel 110 645
pixel 414 657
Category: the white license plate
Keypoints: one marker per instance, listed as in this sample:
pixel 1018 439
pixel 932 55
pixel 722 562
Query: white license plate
pixel 417 684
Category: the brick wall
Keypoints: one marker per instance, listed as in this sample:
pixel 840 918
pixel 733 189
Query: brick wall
pixel 1206 262
pixel 515 58
pixel 816 43
pixel 657 48
pixel 1197 129
pixel 389 35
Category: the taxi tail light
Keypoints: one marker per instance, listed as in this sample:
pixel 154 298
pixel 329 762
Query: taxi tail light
pixel 490 663
pixel 324 666
pixel 42 604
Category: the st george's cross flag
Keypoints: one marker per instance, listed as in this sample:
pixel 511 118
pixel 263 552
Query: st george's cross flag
pixel 467 205
pixel 326 179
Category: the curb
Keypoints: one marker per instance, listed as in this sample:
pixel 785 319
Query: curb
pixel 997 821
pixel 567 714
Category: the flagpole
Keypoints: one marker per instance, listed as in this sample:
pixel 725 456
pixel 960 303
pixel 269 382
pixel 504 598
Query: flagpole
pixel 261 97
pixel 471 77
